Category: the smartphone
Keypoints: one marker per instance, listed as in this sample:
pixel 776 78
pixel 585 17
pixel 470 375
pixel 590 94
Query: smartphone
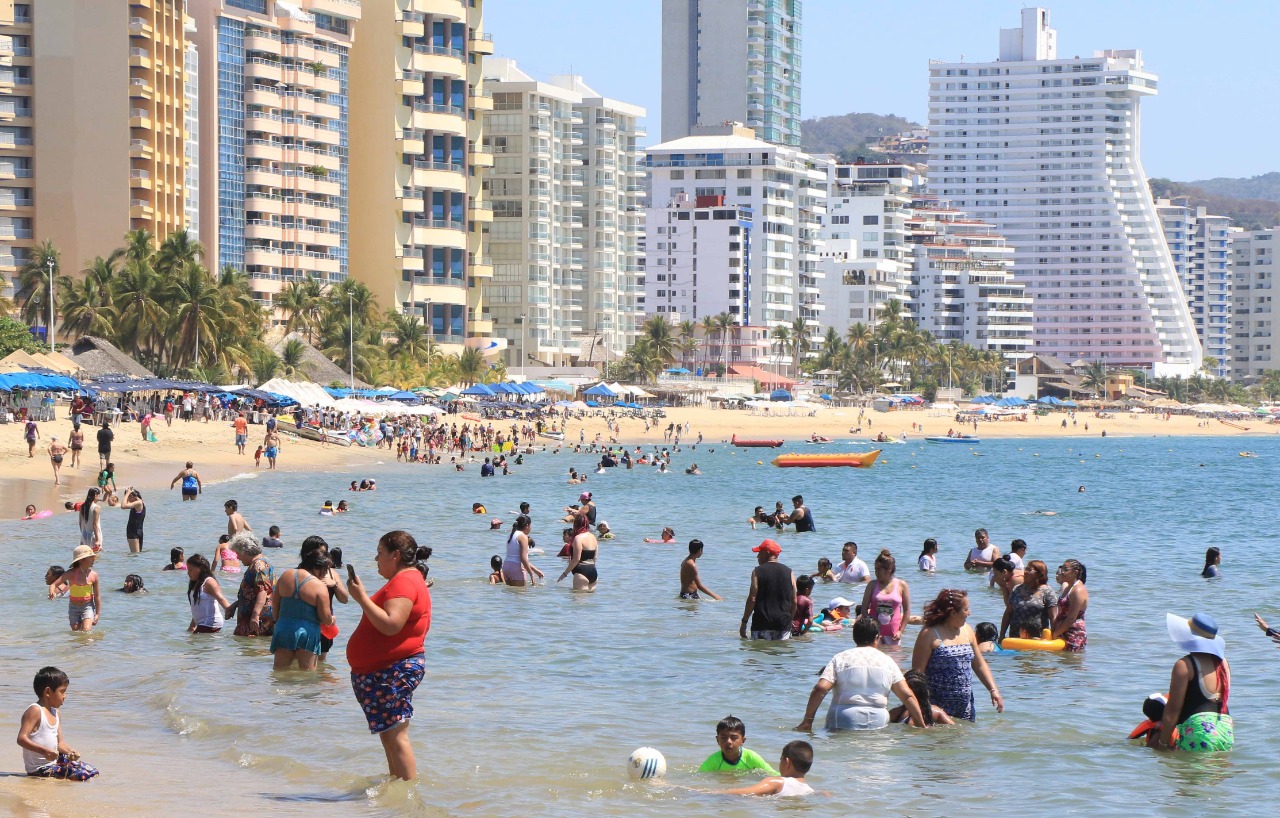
pixel 351 572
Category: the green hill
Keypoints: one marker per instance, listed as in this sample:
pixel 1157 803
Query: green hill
pixel 1248 213
pixel 849 136
pixel 1266 186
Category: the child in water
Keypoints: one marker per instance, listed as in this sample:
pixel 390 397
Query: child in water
pixel 797 758
pixel 731 734
pixel 920 689
pixel 987 634
pixel 177 560
pixel 230 562
pixel 52 576
pixel 495 562
pixel 44 754
pixel 824 571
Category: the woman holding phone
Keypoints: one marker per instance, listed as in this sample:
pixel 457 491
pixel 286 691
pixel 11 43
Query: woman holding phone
pixel 386 651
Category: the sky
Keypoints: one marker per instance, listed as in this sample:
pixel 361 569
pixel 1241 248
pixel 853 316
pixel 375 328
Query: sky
pixel 1216 113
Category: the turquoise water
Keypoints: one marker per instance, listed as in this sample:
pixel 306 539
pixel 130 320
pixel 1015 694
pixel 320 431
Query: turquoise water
pixel 534 697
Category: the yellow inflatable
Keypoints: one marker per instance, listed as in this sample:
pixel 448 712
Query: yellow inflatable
pixel 1045 642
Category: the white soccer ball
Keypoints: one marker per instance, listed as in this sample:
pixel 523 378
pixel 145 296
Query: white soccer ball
pixel 646 762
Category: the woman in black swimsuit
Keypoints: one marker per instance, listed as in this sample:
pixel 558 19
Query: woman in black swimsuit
pixel 583 548
pixel 137 516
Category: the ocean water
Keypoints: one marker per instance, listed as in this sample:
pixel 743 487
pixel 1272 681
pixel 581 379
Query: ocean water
pixel 534 697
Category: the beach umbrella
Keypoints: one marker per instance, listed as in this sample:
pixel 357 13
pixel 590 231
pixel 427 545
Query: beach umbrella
pixel 779 394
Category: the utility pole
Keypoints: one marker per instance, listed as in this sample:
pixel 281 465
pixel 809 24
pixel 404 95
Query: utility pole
pixel 49 262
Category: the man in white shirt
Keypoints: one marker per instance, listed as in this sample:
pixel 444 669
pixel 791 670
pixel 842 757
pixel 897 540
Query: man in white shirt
pixel 982 554
pixel 1018 553
pixel 851 569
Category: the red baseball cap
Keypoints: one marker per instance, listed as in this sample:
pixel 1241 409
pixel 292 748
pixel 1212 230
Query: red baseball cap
pixel 768 547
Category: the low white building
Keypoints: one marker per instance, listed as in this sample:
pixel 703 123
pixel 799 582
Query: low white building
pixel 865 260
pixel 962 285
pixel 723 187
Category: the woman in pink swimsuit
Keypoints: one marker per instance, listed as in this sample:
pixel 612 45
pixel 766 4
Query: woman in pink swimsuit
pixel 888 600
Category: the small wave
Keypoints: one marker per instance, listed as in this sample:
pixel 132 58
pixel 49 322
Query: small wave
pixel 242 476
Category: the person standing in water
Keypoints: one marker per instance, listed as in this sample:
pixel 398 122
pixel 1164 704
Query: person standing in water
pixel 191 484
pixel 772 598
pixel 800 516
pixel 690 581
pixel 235 522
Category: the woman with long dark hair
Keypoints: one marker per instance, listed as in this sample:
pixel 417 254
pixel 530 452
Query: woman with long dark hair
pixel 208 605
pixel 387 649
pixel 90 518
pixel 946 651
pixel 301 607
pixel 516 568
pixel 583 548
pixel 1068 622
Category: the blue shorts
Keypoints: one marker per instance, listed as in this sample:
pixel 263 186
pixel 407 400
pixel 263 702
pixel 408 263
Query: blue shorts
pixel 270 452
pixel 241 440
pixel 386 695
pixel 296 634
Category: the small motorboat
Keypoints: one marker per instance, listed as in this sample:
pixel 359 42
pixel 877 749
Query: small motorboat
pixel 552 435
pixel 756 444
pixel 857 460
pixel 819 440
pixel 315 433
pixel 954 439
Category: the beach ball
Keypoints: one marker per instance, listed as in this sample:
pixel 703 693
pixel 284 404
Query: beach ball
pixel 646 762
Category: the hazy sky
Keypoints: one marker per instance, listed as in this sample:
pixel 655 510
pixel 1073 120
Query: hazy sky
pixel 1216 114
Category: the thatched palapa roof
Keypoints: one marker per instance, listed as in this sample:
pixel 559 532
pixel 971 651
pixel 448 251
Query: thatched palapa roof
pixel 99 357
pixel 316 367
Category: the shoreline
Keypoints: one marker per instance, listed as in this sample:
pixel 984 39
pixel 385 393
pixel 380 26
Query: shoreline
pixel 150 466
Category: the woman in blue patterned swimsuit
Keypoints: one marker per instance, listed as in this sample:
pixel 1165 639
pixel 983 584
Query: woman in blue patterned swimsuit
pixel 946 650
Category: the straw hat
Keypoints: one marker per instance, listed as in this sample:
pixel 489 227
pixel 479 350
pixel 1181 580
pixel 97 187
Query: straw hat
pixel 81 552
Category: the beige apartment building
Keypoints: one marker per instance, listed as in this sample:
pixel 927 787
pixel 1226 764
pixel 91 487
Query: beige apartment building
pixel 273 96
pixel 418 219
pixel 92 125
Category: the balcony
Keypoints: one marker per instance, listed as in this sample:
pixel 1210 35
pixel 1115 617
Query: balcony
pixel 481 44
pixel 139 88
pixel 140 179
pixel 442 175
pixel 429 116
pixel 264 149
pixel 411 24
pixel 139 118
pixel 262 122
pixel 261 202
pixel 140 209
pixel 480 267
pixel 480 99
pixel 411 201
pixel 259 68
pixel 140 26
pixel 139 58
pixel 412 142
pixel 412 262
pixel 263 96
pixel 480 211
pixel 411 83
pixel 439 60
pixel 480 158
pixel 438 233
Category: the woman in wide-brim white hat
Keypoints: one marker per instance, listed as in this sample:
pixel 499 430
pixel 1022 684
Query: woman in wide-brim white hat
pixel 1198 689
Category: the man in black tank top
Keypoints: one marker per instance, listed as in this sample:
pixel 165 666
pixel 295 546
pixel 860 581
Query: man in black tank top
pixel 772 599
pixel 800 516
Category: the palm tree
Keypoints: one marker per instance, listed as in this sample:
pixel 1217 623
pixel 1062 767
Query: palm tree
pixel 265 364
pixel 471 365
pixel 195 306
pixel 799 346
pixel 33 283
pixel 291 355
pixel 709 326
pixel 142 316
pixel 411 336
pixel 178 252
pixel 780 337
pixel 662 342
pixel 724 322
pixel 1095 377
pixel 859 336
pixel 688 330
pixel 295 301
pixel 87 304
pixel 137 246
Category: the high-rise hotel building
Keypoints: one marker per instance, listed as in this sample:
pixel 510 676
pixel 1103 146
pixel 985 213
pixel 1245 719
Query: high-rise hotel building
pixel 1200 245
pixel 93 132
pixel 273 94
pixel 418 217
pixel 1046 148
pixel 732 61
pixel 565 190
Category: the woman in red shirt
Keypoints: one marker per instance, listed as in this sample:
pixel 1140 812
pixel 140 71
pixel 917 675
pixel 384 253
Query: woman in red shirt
pixel 386 651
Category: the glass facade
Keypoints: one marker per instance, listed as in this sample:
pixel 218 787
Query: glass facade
pixel 231 160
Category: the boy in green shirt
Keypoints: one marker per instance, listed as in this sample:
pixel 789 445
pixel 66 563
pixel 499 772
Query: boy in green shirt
pixel 731 733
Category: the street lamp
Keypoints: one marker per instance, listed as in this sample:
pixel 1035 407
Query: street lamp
pixel 49 261
pixel 426 319
pixel 351 338
pixel 875 357
pixel 523 319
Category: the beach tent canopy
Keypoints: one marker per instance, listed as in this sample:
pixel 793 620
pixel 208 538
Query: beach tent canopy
pixel 480 390
pixel 404 397
pixel 679 370
pixel 600 390
pixel 779 394
pixel 983 399
pixel 36 382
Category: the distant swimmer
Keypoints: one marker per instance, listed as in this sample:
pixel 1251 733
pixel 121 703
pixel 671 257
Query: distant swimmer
pixel 668 536
pixel 1045 513
pixel 1080 490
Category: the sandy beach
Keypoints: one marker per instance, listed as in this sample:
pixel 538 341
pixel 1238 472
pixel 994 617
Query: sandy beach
pixel 151 466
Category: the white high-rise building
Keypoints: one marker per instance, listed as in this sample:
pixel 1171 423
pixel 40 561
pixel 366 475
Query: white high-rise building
pixel 1255 300
pixel 962 286
pixel 721 175
pixel 1046 149
pixel 565 190
pixel 191 90
pixel 1200 246
pixel 731 61
pixel 865 260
